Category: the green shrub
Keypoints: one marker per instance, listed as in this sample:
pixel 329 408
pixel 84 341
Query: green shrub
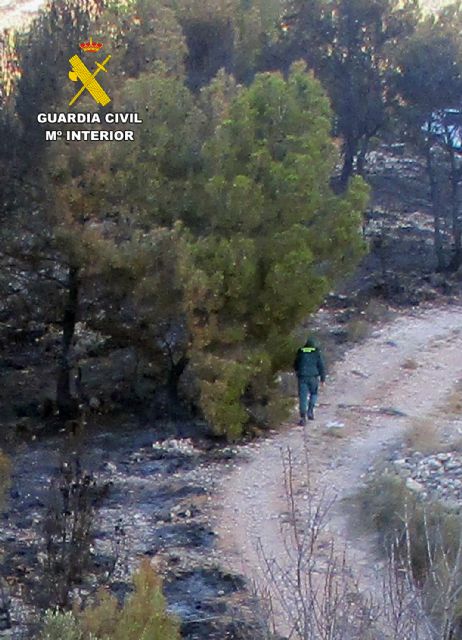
pixel 61 626
pixel 381 503
pixel 426 533
pixel 387 505
pixel 143 617
pixel 102 618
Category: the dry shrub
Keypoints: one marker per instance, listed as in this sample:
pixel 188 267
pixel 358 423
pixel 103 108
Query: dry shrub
pixel 387 506
pixel 454 403
pixel 310 591
pixel 358 329
pixel 309 585
pixel 336 433
pixel 380 503
pixel 423 436
pixel 426 537
pixel 377 311
pixel 68 530
pixel 410 364
pixel 102 618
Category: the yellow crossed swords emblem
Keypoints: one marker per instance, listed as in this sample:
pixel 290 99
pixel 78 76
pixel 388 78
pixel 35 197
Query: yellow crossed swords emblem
pixel 88 80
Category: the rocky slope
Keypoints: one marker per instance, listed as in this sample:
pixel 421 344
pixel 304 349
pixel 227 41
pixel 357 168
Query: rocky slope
pixel 155 502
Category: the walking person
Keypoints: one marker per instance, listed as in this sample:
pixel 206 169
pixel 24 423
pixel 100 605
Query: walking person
pixel 309 367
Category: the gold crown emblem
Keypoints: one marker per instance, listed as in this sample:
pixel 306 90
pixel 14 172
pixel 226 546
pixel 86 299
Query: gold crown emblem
pixel 91 47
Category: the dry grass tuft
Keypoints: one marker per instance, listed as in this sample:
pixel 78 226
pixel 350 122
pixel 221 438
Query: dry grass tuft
pixel 454 403
pixel 456 444
pixel 358 329
pixel 335 433
pixel 377 311
pixel 410 364
pixel 424 436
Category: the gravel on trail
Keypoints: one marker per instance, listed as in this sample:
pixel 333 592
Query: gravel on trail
pixel 370 400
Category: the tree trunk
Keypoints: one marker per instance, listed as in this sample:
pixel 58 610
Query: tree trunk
pixel 361 158
pixel 173 379
pixel 456 259
pixel 349 153
pixel 436 207
pixel 67 405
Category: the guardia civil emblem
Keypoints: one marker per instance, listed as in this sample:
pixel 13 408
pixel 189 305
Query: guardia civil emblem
pixel 81 73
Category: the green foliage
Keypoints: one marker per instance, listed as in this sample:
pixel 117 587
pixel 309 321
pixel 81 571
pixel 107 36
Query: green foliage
pixel 143 617
pixel 207 240
pixel 108 222
pixel 389 507
pixel 43 56
pixel 262 235
pixel 221 395
pixel 424 536
pixel 215 99
pixel 272 240
pixel 349 44
pixel 151 176
pixel 61 626
pixel 430 64
pixel 226 34
pixel 145 33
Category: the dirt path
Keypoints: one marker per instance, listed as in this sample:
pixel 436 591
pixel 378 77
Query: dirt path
pixel 376 398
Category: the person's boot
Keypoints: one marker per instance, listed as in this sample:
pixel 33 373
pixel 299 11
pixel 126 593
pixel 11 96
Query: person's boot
pixel 302 421
pixel 310 414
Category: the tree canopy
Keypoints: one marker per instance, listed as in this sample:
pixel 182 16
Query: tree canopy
pixel 429 86
pixel 350 45
pixel 205 242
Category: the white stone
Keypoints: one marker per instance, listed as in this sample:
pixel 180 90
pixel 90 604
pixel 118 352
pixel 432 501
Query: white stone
pixel 443 457
pixel 335 424
pixel 414 486
pixel 434 464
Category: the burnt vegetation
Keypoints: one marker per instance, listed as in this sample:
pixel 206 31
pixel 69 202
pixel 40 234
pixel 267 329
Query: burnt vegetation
pixel 289 148
pixel 173 265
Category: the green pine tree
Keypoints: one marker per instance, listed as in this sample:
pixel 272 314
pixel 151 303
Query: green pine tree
pixel 273 238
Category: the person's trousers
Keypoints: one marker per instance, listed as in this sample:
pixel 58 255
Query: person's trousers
pixel 307 386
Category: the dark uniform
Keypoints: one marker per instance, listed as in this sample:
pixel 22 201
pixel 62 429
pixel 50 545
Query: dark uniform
pixel 309 367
